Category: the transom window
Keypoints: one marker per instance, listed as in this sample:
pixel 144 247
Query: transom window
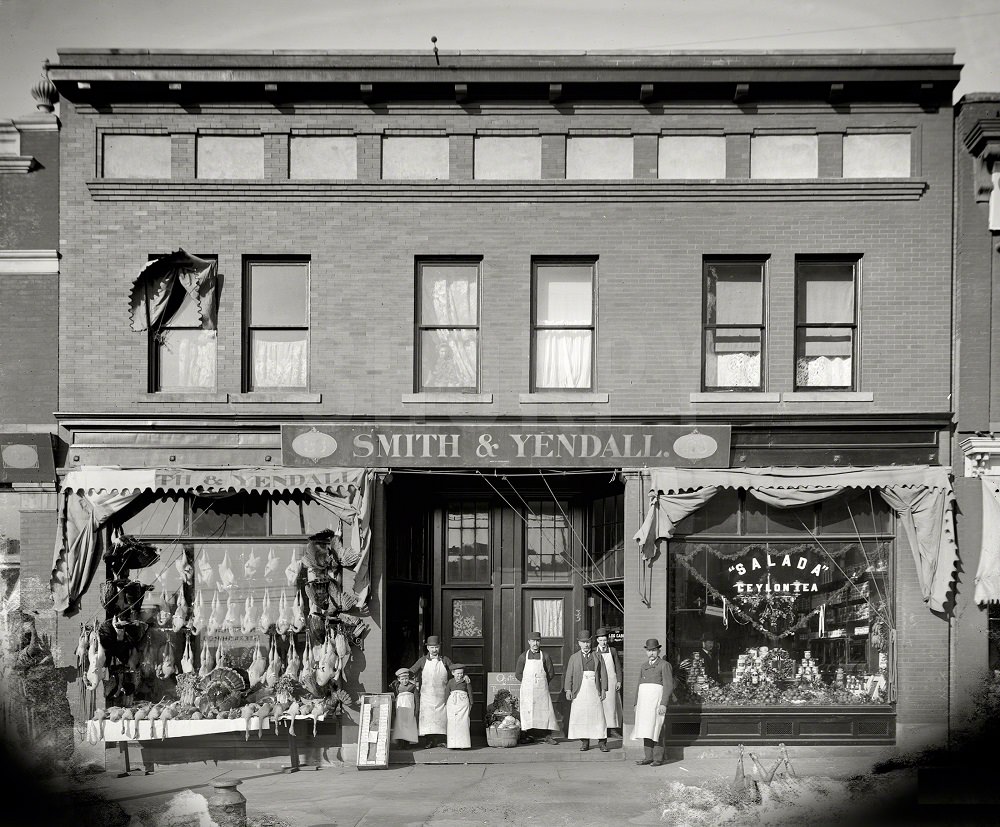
pixel 734 325
pixel 467 542
pixel 276 335
pixel 448 325
pixel 563 324
pixel 825 324
pixel 548 543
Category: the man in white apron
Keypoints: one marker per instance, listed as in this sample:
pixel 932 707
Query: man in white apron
pixel 432 673
pixel 586 686
pixel 656 683
pixel 534 671
pixel 613 666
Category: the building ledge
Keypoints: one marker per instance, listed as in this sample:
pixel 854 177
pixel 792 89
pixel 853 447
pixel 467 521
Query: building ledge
pixel 16 163
pixel 431 398
pixel 735 397
pixel 29 262
pixel 275 397
pixel 185 396
pixel 728 190
pixel 563 398
pixel 828 396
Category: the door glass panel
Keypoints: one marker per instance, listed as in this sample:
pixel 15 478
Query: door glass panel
pixel 547 617
pixel 467 618
pixel 547 543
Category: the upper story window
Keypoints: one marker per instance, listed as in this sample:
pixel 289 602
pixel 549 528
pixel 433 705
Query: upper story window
pixel 276 333
pixel 599 157
pixel 881 155
pixel 136 156
pixel 230 156
pixel 563 324
pixel 508 158
pixel 448 325
pixel 415 158
pixel 323 156
pixel 692 157
pixel 184 354
pixel 825 323
pixel 784 156
pixel 734 324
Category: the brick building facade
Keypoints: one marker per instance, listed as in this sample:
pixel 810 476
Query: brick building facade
pixel 760 243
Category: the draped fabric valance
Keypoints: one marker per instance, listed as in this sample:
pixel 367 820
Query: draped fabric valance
pixel 921 496
pixel 153 287
pixel 92 496
pixel 988 573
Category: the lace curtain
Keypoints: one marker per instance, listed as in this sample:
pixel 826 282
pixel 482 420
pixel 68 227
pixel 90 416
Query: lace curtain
pixel 187 359
pixel 564 359
pixel 823 371
pixel 278 364
pixel 547 617
pixel 450 305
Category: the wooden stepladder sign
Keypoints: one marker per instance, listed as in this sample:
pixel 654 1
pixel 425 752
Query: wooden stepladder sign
pixel 374 730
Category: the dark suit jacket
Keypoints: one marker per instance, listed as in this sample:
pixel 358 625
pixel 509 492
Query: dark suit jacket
pixel 615 660
pixel 574 674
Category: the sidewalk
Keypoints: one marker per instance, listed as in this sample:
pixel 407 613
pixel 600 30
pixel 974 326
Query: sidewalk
pixel 547 793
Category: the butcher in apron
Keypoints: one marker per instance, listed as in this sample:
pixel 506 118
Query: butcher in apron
pixel 404 725
pixel 459 704
pixel 613 666
pixel 433 670
pixel 534 671
pixel 586 686
pixel 656 683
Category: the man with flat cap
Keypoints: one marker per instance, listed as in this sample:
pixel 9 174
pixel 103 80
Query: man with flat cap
pixel 432 672
pixel 586 686
pixel 656 683
pixel 613 666
pixel 534 671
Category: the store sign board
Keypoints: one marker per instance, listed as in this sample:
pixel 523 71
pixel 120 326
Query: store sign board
pixel 530 445
pixel 495 681
pixel 26 458
pixel 763 571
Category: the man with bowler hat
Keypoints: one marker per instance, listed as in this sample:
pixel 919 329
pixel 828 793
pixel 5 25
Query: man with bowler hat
pixel 656 682
pixel 586 687
pixel 534 671
pixel 613 667
pixel 432 672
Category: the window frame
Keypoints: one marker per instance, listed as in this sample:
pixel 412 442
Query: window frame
pixel 246 334
pixel 153 343
pixel 575 261
pixel 418 327
pixel 707 261
pixel 854 326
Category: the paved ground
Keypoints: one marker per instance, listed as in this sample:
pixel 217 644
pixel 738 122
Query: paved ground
pixel 551 792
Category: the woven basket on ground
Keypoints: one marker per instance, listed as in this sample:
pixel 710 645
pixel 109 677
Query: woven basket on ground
pixel 502 737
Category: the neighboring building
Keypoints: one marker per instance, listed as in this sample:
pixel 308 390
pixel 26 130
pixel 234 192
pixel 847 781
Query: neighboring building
pixel 977 392
pixel 628 270
pixel 29 338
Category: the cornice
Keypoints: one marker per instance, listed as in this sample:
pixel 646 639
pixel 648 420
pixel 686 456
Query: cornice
pixel 29 262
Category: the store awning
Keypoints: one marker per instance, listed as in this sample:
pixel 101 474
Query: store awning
pixel 921 495
pixel 91 497
pixel 155 283
pixel 988 573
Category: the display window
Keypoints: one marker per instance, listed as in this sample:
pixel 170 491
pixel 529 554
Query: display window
pixel 783 606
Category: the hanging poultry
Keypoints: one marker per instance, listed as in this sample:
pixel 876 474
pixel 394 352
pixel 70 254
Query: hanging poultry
pixel 294 664
pixel 251 566
pixel 187 659
pixel 207 661
pixel 197 615
pixel 81 651
pixel 298 613
pixel 265 620
pixel 343 655
pixel 257 666
pixel 249 618
pixel 226 577
pixel 284 622
pixel 231 624
pixel 273 670
pixel 292 569
pixel 206 574
pixel 218 615
pixel 181 612
pixel 272 564
pixel 96 658
pixel 327 663
pixel 307 674
pixel 167 668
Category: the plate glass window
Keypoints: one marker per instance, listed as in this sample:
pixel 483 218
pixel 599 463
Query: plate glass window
pixel 563 329
pixel 734 325
pixel 825 324
pixel 277 331
pixel 448 325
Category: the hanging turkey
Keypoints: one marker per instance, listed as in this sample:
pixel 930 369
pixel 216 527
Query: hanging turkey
pixel 294 664
pixel 187 660
pixel 249 618
pixel 218 618
pixel 226 577
pixel 284 622
pixel 258 666
pixel 231 624
pixel 272 564
pixel 251 566
pixel 265 620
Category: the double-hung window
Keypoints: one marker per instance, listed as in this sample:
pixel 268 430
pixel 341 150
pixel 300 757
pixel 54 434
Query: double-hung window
pixel 276 327
pixel 447 316
pixel 184 354
pixel 825 323
pixel 734 325
pixel 563 324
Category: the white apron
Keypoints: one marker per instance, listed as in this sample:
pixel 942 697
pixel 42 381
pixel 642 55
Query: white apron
pixel 458 720
pixel 586 715
pixel 535 701
pixel 433 686
pixel 612 700
pixel 648 722
pixel 404 728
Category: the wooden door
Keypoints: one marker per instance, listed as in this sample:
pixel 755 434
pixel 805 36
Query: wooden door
pixel 466 632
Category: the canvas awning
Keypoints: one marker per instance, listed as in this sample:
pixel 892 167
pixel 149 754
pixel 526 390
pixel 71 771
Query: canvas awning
pixel 91 497
pixel 988 573
pixel 921 495
pixel 156 282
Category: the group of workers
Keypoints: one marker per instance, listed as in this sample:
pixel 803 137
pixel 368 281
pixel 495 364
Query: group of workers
pixel 593 682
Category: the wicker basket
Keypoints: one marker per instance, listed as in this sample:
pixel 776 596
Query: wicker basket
pixel 502 737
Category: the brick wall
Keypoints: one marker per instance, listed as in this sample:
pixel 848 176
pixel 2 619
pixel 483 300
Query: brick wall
pixel 29 202
pixel 29 340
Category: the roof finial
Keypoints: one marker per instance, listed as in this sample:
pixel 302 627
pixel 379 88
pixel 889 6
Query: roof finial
pixel 434 41
pixel 44 92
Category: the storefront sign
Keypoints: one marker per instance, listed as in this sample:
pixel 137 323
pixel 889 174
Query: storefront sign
pixel 495 681
pixel 26 458
pixel 772 571
pixel 534 445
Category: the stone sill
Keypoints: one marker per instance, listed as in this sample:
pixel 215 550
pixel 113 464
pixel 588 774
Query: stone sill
pixel 828 396
pixel 432 398
pixel 735 189
pixel 735 397
pixel 563 398
pixel 190 396
pixel 274 397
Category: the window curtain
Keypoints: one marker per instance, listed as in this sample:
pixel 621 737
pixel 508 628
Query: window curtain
pixel 988 572
pixel 921 496
pixel 452 300
pixel 353 505
pixel 563 359
pixel 279 364
pixel 547 617
pixel 823 371
pixel 152 288
pixel 193 359
pixel 84 534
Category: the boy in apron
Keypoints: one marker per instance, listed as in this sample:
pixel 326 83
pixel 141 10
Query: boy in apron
pixel 432 672
pixel 613 666
pixel 459 705
pixel 534 671
pixel 404 725
pixel 586 687
pixel 656 682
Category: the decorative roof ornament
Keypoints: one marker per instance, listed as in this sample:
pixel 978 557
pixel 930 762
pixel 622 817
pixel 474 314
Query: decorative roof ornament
pixel 44 92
